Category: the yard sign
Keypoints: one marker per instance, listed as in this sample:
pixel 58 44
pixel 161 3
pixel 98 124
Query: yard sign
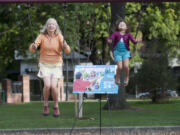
pixel 95 79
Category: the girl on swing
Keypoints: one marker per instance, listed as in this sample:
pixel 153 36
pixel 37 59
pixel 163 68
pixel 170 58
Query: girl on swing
pixel 121 50
pixel 51 43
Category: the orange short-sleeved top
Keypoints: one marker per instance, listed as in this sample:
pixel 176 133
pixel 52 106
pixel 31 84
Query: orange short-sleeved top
pixel 50 48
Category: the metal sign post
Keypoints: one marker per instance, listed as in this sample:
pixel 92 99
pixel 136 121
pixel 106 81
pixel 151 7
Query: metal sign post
pixel 94 79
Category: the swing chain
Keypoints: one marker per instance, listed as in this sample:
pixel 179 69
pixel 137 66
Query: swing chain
pixel 140 13
pixel 29 19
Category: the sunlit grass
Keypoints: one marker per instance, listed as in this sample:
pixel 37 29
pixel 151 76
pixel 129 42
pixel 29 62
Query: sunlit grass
pixel 29 115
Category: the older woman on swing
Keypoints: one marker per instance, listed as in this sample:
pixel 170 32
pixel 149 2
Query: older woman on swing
pixel 51 42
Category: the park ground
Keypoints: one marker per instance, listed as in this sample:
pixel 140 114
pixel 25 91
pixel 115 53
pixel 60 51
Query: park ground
pixel 29 115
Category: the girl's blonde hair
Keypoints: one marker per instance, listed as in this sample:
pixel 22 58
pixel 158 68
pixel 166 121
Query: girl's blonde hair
pixel 44 29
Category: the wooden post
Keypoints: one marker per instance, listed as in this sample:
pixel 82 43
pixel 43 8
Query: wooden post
pixel 25 88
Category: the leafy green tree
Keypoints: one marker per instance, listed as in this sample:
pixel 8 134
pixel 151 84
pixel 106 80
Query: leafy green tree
pixel 117 101
pixel 16 33
pixel 160 29
pixel 86 28
pixel 11 34
pixel 79 23
pixel 155 77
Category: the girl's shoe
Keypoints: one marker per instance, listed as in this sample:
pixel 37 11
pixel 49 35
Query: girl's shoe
pixel 126 83
pixel 56 112
pixel 117 81
pixel 46 110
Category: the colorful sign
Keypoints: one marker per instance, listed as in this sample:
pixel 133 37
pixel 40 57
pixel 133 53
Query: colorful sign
pixel 95 79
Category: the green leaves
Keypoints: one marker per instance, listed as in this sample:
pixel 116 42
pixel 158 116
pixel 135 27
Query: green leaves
pixel 87 23
pixel 158 21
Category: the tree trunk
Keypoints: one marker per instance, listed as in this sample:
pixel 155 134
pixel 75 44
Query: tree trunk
pixel 94 54
pixel 117 12
pixel 117 101
pixel 105 51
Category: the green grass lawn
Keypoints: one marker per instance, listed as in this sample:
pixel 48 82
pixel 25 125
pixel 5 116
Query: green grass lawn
pixel 29 115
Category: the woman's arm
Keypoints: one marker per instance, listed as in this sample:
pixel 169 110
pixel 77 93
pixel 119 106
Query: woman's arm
pixel 66 48
pixel 64 44
pixel 34 46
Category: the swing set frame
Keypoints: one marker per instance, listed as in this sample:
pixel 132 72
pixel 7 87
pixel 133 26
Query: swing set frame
pixel 80 1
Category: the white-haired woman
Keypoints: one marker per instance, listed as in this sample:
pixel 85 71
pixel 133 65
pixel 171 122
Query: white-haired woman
pixel 51 42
